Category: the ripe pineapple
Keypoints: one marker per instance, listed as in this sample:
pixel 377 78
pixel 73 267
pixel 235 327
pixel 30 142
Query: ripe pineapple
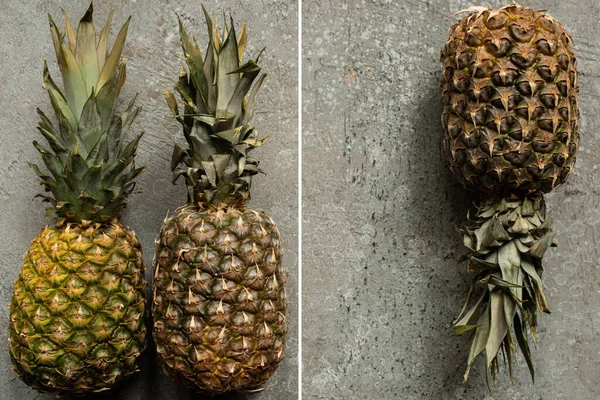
pixel 509 94
pixel 77 312
pixel 219 298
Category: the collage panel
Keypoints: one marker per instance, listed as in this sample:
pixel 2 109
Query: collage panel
pixel 218 270
pixel 392 125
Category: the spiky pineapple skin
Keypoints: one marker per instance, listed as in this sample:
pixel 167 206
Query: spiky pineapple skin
pixel 219 298
pixel 77 311
pixel 509 94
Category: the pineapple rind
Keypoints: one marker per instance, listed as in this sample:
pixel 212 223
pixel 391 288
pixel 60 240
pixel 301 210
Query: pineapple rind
pixel 77 311
pixel 509 94
pixel 219 298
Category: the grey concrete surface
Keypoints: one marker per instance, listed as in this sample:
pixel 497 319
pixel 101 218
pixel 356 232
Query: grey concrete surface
pixel 154 55
pixel 380 283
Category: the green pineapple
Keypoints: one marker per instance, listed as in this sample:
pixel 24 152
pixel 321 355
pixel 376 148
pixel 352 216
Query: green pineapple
pixel 219 297
pixel 77 312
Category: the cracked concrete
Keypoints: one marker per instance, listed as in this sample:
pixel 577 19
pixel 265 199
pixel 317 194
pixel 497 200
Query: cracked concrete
pixel 154 56
pixel 378 299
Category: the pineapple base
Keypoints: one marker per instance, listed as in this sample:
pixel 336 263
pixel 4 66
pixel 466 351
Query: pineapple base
pixel 507 240
pixel 219 298
pixel 77 311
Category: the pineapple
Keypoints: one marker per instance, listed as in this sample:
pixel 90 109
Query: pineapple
pixel 509 94
pixel 77 311
pixel 219 298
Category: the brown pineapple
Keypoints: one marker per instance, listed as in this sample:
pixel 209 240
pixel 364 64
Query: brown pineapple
pixel 509 94
pixel 219 297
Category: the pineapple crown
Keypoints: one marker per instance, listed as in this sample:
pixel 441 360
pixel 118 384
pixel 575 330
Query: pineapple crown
pixel 91 166
pixel 216 114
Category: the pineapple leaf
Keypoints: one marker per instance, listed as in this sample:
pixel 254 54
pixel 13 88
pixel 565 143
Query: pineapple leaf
pixel 90 125
pixel 509 260
pixel 122 74
pixel 241 165
pixel 538 287
pixel 209 72
pixel 256 143
pixel 249 72
pixel 37 171
pixel 75 91
pixel 217 37
pixel 227 80
pixel 207 119
pixel 114 142
pixel 538 249
pixel 480 338
pixel 46 123
pixel 210 171
pixel 495 281
pixel 58 100
pixel 172 102
pixel 510 308
pixel 101 47
pixel 221 161
pixel 189 102
pixel 50 161
pixel 240 149
pixel 85 53
pixel 96 155
pixel 464 324
pixel 527 210
pixel 195 64
pixel 57 39
pixel 498 326
pixel 203 144
pixel 125 159
pixel 521 334
pixel 92 176
pixel 249 111
pixel 112 61
pixel 74 170
pixel 242 40
pixel 179 153
pixel 129 115
pixel 232 135
pixel 476 264
pixel 490 233
pixel 105 99
pixel 53 141
pixel 70 31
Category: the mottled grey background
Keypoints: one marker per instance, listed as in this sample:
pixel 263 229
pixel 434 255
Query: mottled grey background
pixel 154 55
pixel 380 283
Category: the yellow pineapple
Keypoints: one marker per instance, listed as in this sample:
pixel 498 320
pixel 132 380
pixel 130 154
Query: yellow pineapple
pixel 77 312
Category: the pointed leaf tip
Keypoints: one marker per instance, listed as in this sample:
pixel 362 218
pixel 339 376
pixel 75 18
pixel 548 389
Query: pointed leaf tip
pixel 51 21
pixel 88 14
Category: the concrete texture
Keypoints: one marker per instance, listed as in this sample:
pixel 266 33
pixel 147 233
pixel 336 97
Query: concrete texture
pixel 380 283
pixel 154 55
